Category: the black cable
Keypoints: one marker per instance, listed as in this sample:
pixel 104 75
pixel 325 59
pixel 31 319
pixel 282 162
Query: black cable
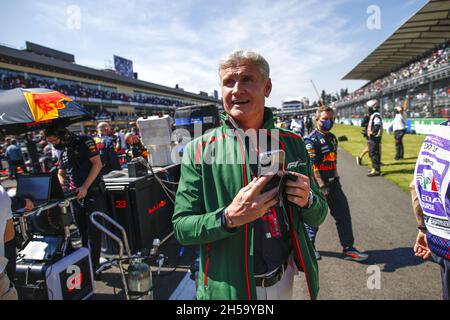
pixel 164 187
pixel 170 182
pixel 115 284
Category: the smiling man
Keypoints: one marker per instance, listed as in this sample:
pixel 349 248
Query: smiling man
pixel 250 246
pixel 244 89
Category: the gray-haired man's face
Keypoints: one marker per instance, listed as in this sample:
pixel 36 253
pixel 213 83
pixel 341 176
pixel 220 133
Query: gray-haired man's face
pixel 244 91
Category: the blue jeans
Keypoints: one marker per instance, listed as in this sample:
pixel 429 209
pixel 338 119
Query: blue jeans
pixel 340 210
pixel 445 275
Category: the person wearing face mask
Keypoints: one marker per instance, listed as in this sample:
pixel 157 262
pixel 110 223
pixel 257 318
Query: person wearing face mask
pixel 80 166
pixel 321 145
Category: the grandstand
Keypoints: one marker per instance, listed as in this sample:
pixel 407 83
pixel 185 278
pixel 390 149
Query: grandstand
pixel 108 95
pixel 410 69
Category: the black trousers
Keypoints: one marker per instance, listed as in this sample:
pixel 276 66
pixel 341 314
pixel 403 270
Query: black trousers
pixel 13 164
pixel 399 150
pixel 11 255
pixel 374 152
pixel 340 211
pixel 90 235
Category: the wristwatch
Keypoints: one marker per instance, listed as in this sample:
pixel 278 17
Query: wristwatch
pixel 310 200
pixel 422 228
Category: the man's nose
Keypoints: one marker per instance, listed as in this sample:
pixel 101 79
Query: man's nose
pixel 237 88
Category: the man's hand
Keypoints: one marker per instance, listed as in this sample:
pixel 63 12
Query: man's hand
pixel 249 204
pixel 298 191
pixel 29 205
pixel 82 192
pixel 421 248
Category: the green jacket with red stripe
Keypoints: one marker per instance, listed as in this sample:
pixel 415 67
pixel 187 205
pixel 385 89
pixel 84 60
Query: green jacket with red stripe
pixel 212 173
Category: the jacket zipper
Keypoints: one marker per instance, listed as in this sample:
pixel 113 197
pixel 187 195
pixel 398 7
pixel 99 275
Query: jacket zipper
pixel 246 252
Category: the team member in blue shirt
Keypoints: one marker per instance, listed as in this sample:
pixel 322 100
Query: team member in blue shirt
pixel 106 147
pixel 322 149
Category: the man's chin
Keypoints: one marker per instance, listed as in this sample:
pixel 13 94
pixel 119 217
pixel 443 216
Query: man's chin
pixel 238 114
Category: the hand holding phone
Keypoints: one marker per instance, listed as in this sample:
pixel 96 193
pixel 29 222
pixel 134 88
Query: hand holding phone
pixel 271 163
pixel 250 203
pixel 297 189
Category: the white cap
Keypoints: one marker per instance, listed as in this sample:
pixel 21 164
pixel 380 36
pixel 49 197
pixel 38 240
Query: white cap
pixel 372 103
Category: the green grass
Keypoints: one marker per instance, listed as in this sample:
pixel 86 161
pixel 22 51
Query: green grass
pixel 399 172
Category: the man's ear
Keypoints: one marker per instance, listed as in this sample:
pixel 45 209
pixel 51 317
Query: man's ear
pixel 268 88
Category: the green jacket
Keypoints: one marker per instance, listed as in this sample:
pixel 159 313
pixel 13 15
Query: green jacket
pixel 206 188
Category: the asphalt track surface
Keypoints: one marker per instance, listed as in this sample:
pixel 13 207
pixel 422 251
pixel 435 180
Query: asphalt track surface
pixel 384 227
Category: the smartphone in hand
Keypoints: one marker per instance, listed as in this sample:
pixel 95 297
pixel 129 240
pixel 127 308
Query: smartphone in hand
pixel 269 164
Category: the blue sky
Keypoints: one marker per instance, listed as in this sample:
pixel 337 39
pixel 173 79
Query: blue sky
pixel 181 42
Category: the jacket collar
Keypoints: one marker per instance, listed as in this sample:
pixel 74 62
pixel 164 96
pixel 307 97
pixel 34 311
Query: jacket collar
pixel 229 123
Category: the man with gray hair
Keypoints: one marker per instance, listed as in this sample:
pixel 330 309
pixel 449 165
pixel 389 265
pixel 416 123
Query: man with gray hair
pixel 251 244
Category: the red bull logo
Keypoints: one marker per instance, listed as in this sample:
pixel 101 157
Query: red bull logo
pixel 47 102
pixel 332 157
pixel 99 142
pixel 324 167
pixel 45 106
pixel 159 205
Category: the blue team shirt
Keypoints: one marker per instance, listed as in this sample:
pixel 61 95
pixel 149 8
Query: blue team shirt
pixel 106 148
pixel 75 160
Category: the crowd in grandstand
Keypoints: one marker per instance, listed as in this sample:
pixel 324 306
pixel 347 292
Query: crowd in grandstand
pixel 438 58
pixel 124 116
pixel 76 89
